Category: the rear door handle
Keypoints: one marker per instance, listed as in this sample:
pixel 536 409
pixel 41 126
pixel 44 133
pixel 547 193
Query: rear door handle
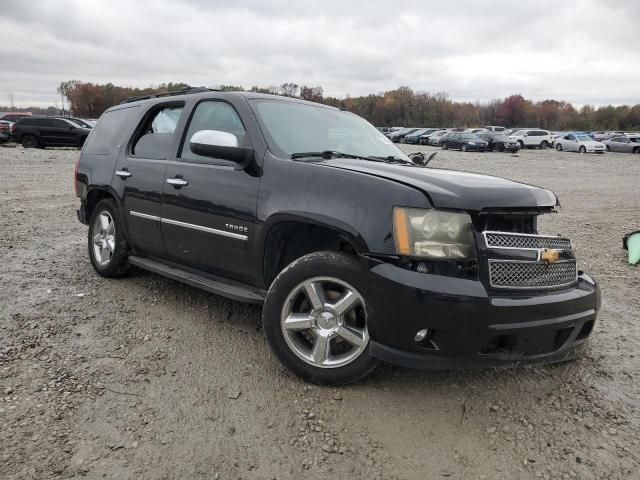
pixel 177 182
pixel 124 173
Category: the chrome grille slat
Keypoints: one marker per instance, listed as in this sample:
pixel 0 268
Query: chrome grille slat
pixel 519 274
pixel 521 241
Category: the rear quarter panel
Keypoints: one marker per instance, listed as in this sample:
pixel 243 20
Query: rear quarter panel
pixel 96 166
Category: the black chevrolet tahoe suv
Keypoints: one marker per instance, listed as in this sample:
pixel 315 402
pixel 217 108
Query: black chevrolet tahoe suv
pixel 357 252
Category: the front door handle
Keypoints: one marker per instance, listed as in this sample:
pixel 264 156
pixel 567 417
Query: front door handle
pixel 177 182
pixel 124 173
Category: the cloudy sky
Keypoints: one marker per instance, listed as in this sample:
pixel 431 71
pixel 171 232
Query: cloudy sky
pixel 583 51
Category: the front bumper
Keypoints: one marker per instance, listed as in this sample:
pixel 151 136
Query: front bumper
pixel 472 327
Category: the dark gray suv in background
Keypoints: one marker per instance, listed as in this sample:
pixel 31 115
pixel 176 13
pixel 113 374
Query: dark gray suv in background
pixel 40 132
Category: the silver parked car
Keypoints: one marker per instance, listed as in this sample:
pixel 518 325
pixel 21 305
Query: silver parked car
pixel 578 142
pixel 623 144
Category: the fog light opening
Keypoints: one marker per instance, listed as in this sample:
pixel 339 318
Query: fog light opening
pixel 422 268
pixel 421 335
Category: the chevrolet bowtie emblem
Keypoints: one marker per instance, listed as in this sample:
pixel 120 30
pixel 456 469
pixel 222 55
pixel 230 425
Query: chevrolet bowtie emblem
pixel 549 256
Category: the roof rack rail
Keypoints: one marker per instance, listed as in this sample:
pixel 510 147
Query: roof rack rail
pixel 170 94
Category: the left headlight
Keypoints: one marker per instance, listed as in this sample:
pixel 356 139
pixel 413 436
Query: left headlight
pixel 433 234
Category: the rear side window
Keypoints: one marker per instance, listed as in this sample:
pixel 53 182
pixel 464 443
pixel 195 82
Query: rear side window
pixel 107 134
pixel 52 123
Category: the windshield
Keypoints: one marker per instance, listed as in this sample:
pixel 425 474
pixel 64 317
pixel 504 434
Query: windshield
pixel 584 138
pixel 297 127
pixel 501 138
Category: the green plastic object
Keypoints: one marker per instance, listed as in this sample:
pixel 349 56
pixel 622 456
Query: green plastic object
pixel 633 245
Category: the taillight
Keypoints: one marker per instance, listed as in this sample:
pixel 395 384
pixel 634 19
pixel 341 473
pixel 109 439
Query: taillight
pixel 75 176
pixel 13 128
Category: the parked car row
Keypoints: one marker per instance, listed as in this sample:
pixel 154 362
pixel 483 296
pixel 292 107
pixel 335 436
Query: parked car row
pixel 494 138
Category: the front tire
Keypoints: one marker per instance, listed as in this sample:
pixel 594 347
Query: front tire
pixel 463 147
pixel 29 141
pixel 582 150
pixel 559 147
pixel 315 319
pixel 108 248
pixel 521 144
pixel 444 146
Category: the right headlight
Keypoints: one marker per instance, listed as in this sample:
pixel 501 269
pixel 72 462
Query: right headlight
pixel 433 234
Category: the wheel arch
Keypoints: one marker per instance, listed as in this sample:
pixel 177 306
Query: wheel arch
pixel 95 195
pixel 291 235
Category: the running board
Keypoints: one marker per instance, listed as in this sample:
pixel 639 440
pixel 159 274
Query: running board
pixel 226 288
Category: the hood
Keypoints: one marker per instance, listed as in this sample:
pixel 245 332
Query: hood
pixel 592 143
pixel 453 189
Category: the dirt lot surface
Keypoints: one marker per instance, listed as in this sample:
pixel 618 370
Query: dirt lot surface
pixel 146 378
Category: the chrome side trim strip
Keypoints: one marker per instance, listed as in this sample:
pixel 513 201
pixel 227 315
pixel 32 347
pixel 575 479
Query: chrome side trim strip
pixel 215 231
pixel 144 215
pixel 200 228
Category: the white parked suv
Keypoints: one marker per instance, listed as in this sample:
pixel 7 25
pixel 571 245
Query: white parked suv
pixel 533 138
pixel 579 142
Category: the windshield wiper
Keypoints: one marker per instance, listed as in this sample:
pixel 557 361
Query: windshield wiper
pixel 329 154
pixel 393 159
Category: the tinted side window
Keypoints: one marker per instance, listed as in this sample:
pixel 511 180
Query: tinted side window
pixel 57 123
pixel 154 138
pixel 109 130
pixel 27 122
pixel 213 115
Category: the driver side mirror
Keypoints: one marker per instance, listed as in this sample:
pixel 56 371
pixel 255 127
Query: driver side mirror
pixel 223 145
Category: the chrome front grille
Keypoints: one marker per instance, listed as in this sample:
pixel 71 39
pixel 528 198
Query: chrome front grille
pixel 521 261
pixel 520 274
pixel 525 242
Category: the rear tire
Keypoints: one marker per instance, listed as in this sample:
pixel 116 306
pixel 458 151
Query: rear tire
pixel 108 248
pixel 29 141
pixel 463 147
pixel 544 144
pixel 318 346
pixel 636 150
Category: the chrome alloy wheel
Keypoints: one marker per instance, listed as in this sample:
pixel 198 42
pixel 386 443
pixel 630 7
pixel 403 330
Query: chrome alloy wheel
pixel 104 239
pixel 323 321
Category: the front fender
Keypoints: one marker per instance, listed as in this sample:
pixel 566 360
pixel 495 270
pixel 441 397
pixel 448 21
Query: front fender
pixel 358 205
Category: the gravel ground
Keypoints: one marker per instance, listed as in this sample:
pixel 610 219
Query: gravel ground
pixel 146 378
